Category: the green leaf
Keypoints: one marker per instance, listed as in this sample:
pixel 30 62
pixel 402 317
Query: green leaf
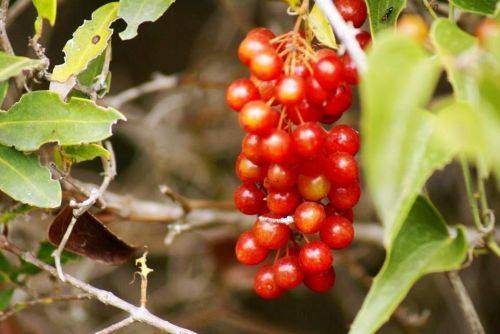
pixel 10 214
pixel 5 269
pixel 384 13
pixel 321 27
pixel 135 12
pixel 5 297
pixel 42 117
pixel 23 179
pixel 423 245
pixel 88 42
pixel 11 66
pixel 398 150
pixel 476 6
pixel 94 69
pixel 47 9
pixel 79 153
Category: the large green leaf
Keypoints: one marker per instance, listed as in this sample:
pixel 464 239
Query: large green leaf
pixel 476 6
pixel 23 179
pixel 423 245
pixel 42 117
pixel 47 9
pixel 135 12
pixel 321 27
pixel 383 13
pixel 11 66
pixel 88 42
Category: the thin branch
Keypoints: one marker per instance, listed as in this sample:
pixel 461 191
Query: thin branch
pixel 16 9
pixel 430 9
pixel 119 325
pixel 4 39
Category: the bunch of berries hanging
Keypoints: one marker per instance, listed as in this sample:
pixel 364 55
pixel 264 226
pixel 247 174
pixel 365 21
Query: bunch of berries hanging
pixel 299 178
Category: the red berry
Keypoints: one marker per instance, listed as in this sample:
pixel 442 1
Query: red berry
pixel 350 71
pixel 265 283
pixel 266 65
pixel 308 139
pixel 281 177
pixel 339 103
pixel 314 92
pixel 249 199
pixel 271 235
pixel 342 138
pixel 257 117
pixel 321 282
pixel 265 88
pixel 328 72
pixel 290 89
pixel 325 52
pixel 345 197
pixel 352 11
pixel 364 39
pixel 315 257
pixel 309 216
pixel 313 188
pixel 341 168
pixel 287 272
pixel 313 167
pixel 247 171
pixel 283 202
pixel 277 146
pixel 251 46
pixel 240 92
pixel 248 251
pixel 262 32
pixel 301 70
pixel 337 232
pixel 331 210
pixel 250 147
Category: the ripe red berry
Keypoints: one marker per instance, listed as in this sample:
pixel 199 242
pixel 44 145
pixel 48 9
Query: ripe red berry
pixel 248 251
pixel 315 257
pixel 325 52
pixel 313 167
pixel 277 146
pixel 301 70
pixel 352 11
pixel 309 216
pixel 271 235
pixel 321 282
pixel 345 197
pixel 339 102
pixel 342 138
pixel 265 284
pixel 350 71
pixel 257 117
pixel 262 32
pixel 240 92
pixel 247 171
pixel 314 92
pixel 337 232
pixel 287 272
pixel 364 39
pixel 281 177
pixel 249 199
pixel 250 147
pixel 283 202
pixel 328 72
pixel 266 65
pixel 341 168
pixel 313 188
pixel 304 112
pixel 331 210
pixel 308 139
pixel 290 89
pixel 251 46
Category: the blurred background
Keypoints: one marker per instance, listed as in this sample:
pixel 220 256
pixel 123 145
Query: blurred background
pixel 186 137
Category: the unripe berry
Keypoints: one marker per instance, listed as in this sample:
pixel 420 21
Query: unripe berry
pixel 249 199
pixel 337 232
pixel 271 235
pixel 321 282
pixel 308 217
pixel 287 272
pixel 341 168
pixel 290 90
pixel 352 11
pixel 266 65
pixel 315 257
pixel 342 138
pixel 240 92
pixel 345 197
pixel 248 251
pixel 313 188
pixel 277 146
pixel 308 139
pixel 283 202
pixel 328 72
pixel 265 284
pixel 257 117
pixel 414 27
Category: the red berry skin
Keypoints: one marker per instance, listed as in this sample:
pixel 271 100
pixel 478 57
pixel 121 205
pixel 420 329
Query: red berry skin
pixel 287 272
pixel 316 94
pixel 321 282
pixel 240 92
pixel 350 70
pixel 301 70
pixel 266 65
pixel 308 139
pixel 304 112
pixel 325 52
pixel 341 168
pixel 271 235
pixel 261 32
pixel 339 102
pixel 248 251
pixel 250 147
pixel 342 138
pixel 283 202
pixel 315 257
pixel 328 72
pixel 265 88
pixel 249 199
pixel 277 146
pixel 290 90
pixel 251 46
pixel 313 188
pixel 337 232
pixel 265 284
pixel 352 11
pixel 247 171
pixel 257 117
pixel 309 216
pixel 345 197
pixel 281 177
pixel 331 210
pixel 364 39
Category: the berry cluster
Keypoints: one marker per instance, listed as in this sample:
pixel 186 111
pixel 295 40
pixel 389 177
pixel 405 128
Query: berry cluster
pixel 290 165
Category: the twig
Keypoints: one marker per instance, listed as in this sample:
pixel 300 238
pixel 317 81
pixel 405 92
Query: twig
pixel 113 328
pixel 16 9
pixel 430 9
pixel 4 39
pixel 137 313
pixel 465 303
pixel 346 33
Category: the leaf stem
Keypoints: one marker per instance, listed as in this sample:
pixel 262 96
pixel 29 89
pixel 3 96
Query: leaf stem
pixel 470 195
pixel 451 11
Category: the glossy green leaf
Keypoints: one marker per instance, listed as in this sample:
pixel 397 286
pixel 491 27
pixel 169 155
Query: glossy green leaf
pixel 42 117
pixel 135 12
pixel 88 42
pixel 79 153
pixel 383 14
pixel 11 66
pixel 5 298
pixel 23 179
pixel 476 6
pixel 321 28
pixel 423 245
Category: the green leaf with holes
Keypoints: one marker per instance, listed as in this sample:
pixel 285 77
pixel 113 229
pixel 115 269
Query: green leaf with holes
pixel 321 27
pixel 88 42
pixel 79 153
pixel 23 179
pixel 11 66
pixel 135 12
pixel 383 14
pixel 41 117
pixel 423 245
pixel 476 6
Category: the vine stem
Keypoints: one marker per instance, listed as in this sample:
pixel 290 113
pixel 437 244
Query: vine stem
pixel 470 195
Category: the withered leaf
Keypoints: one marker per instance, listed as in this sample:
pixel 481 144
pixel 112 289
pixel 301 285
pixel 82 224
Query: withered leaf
pixel 90 238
